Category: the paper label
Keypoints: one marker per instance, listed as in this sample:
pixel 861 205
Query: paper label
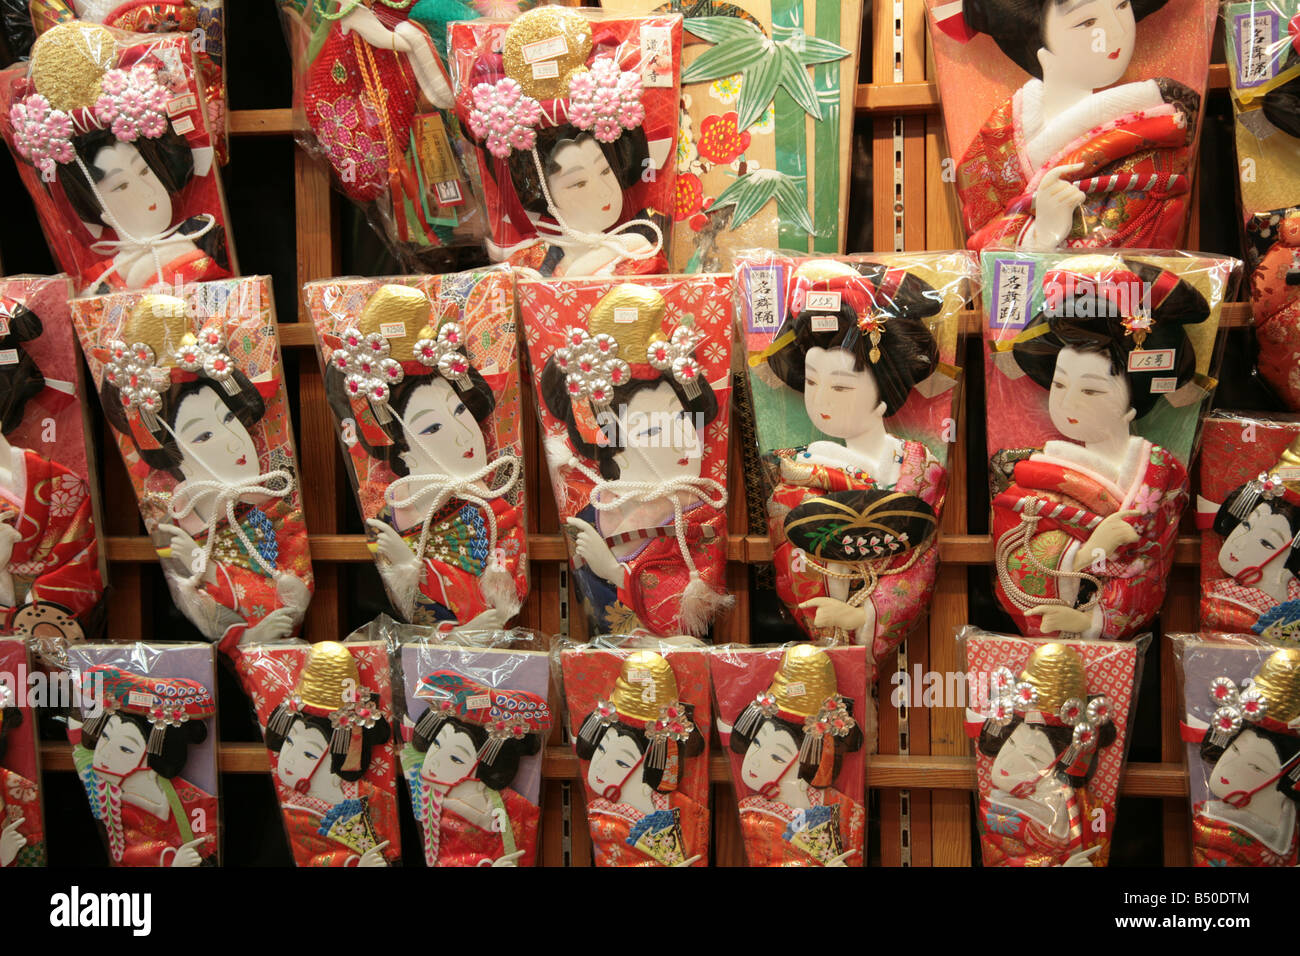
pixel 183 126
pixel 449 193
pixel 138 698
pixel 825 323
pixel 4 325
pixel 626 315
pixel 437 161
pixel 392 330
pixel 1163 386
pixel 1288 474
pixel 763 311
pixel 795 689
pixel 1012 301
pixel 181 104
pixel 1151 360
pixel 1257 47
pixel 823 302
pixel 478 702
pixel 656 56
pixel 8 356
pixel 547 70
pixel 547 49
pixel 638 675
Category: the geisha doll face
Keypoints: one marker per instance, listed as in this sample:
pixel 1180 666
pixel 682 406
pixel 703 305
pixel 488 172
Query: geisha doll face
pixel 133 195
pixel 661 440
pixel 213 441
pixel 120 748
pixel 1255 541
pixel 1025 757
pixel 841 401
pixel 451 756
pixel 1086 400
pixel 770 754
pixel 305 749
pixel 613 760
pixel 1249 762
pixel 584 188
pixel 441 434
pixel 1088 44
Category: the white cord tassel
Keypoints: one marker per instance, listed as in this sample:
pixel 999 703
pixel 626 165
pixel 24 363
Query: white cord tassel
pixel 224 497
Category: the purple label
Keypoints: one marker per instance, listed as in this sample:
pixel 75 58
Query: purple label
pixel 1013 293
pixel 764 288
pixel 1258 51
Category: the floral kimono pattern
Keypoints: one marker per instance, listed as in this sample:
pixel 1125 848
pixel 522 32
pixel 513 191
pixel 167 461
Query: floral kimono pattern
pixel 324 834
pixel 906 582
pixel 623 836
pixel 20 798
pixel 1275 301
pixel 1220 843
pixel 777 835
pixel 1235 608
pixel 1072 502
pixel 1010 837
pixel 197 265
pixel 1135 175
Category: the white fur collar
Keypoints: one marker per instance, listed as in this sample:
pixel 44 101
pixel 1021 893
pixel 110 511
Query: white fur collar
pixel 1120 476
pixel 1046 136
pixel 1277 837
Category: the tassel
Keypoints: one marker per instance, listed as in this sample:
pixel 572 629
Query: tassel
pixel 487 755
pixel 748 720
pixel 590 726
pixel 281 721
pixel 657 756
pixel 700 604
pixel 497 586
pixel 810 751
pixel 95 725
pixel 157 733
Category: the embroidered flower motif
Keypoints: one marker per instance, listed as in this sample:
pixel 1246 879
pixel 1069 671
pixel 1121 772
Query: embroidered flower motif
pixel 133 104
pixel 726 89
pixel 338 129
pixel 1147 500
pixel 504 116
pixel 64 504
pixel 688 196
pixel 41 134
pixel 606 100
pixel 720 141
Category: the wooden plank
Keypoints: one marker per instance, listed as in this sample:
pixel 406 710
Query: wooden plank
pixel 277 122
pixel 1179 614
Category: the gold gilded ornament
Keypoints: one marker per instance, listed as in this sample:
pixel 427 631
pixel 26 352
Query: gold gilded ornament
pixel 161 322
pixel 330 678
pixel 544 48
pixel 645 685
pixel 1056 671
pixel 1278 680
pixel 1288 465
pixel 819 270
pixel 68 62
pixel 804 680
pixel 634 316
pixel 393 306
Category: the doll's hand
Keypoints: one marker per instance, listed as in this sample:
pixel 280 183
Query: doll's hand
pixel 9 536
pixel 689 861
pixel 187 854
pixel 1081 858
pixel 510 859
pixel 839 860
pixel 11 841
pixel 493 619
pixel 362 20
pixel 1054 203
pixel 1061 620
pixel 276 626
pixel 1108 537
pixel 591 548
pixel 185 550
pixel 390 546
pixel 833 613
pixel 374 856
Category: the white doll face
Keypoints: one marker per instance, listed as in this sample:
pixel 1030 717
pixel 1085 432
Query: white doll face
pixel 615 756
pixel 584 188
pixel 1256 540
pixel 841 401
pixel 213 442
pixel 1086 400
pixel 303 751
pixel 120 748
pixel 1025 757
pixel 451 755
pixel 662 441
pixel 441 433
pixel 134 197
pixel 1087 44
pixel 770 753
pixel 1244 766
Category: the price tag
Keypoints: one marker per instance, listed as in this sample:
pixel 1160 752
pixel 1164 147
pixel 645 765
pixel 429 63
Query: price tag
pixel 137 698
pixel 795 689
pixel 1163 386
pixel 183 125
pixel 8 356
pixel 547 49
pixel 546 70
pixel 823 302
pixel 181 104
pixel 625 315
pixel 1151 360
pixel 638 675
pixel 478 702
pixel 392 330
pixel 825 323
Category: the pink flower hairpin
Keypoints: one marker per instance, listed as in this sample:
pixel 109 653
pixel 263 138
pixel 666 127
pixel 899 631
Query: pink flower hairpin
pixel 605 100
pixel 504 116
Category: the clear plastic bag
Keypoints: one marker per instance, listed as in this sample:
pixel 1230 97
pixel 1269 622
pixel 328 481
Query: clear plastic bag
pixel 423 378
pixel 638 711
pixel 861 349
pixel 1098 371
pixel 1070 156
pixel 372 100
pixel 571 120
pixel 135 200
pixel 474 711
pixel 148 714
pixel 325 711
pixel 634 399
pixel 791 719
pixel 1241 725
pixel 1050 722
pixel 1264 82
pixel 22 817
pixel 212 352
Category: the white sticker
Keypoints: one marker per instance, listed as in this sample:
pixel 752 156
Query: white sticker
pixel 825 323
pixel 1288 474
pixel 183 125
pixel 181 104
pixel 656 56
pixel 138 698
pixel 449 193
pixel 8 356
pixel 823 302
pixel 478 702
pixel 547 49
pixel 626 315
pixel 1151 360
pixel 392 330
pixel 548 70
pixel 1163 386
pixel 638 675
pixel 4 325
pixel 796 689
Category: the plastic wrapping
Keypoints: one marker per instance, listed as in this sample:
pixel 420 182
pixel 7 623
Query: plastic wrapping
pixel 1098 372
pixel 204 21
pixel 1070 156
pixel 639 712
pixel 572 118
pixel 325 712
pixel 855 457
pixel 1248 510
pixel 1264 81
pixel 1050 723
pixel 135 200
pixel 634 387
pixel 52 576
pixel 144 743
pixel 422 375
pixel 193 389
pixel 372 98
pixel 790 718
pixel 22 818
pixel 1241 724
pixel 474 711
pixel 762 161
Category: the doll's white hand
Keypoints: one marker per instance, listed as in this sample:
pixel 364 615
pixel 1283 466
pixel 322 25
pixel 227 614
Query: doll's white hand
pixel 374 856
pixel 493 619
pixel 11 841
pixel 1054 203
pixel 833 613
pixel 1107 538
pixel 276 626
pixel 1081 858
pixel 9 536
pixel 591 548
pixel 362 20
pixel 510 859
pixel 187 854
pixel 185 550
pixel 390 545
pixel 839 860
pixel 1060 620
pixel 689 861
